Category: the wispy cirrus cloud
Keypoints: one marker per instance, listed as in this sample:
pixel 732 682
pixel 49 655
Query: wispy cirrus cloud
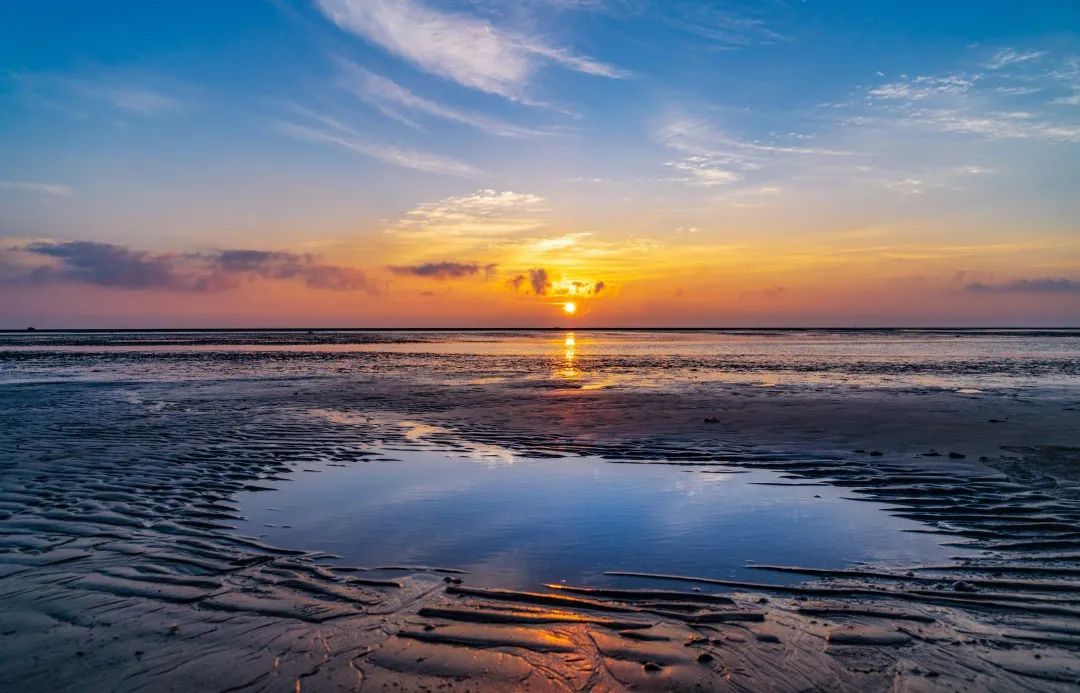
pixel 1011 56
pixel 722 26
pixel 134 99
pixel 705 171
pixel 120 267
pixel 396 102
pixel 482 214
pixel 134 93
pixel 1000 125
pixel 464 48
pixel 1012 98
pixel 54 189
pixel 923 87
pixel 326 130
pixel 713 157
pixel 930 178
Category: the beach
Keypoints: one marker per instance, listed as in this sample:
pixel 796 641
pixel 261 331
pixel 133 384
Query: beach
pixel 550 510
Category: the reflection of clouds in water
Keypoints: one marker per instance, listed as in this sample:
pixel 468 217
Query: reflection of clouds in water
pixel 482 452
pixel 417 432
pixel 572 518
pixel 697 484
pixel 132 398
pixel 436 489
pixel 341 417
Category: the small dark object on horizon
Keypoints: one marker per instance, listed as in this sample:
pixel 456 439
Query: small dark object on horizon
pixel 962 586
pixel 956 455
pixel 711 419
pixel 652 666
pixel 877 453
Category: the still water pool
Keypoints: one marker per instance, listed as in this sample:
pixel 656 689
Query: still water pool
pixel 518 522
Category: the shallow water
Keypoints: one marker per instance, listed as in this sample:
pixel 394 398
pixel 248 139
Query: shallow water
pixel 968 361
pixel 516 522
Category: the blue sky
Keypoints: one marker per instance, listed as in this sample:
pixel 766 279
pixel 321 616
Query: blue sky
pixel 636 137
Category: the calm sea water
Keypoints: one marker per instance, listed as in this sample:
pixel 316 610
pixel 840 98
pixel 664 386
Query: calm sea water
pixel 951 359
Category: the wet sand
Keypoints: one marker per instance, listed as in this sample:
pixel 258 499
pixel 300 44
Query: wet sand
pixel 120 568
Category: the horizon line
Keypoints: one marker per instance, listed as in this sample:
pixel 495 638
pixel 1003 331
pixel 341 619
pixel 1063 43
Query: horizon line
pixel 550 328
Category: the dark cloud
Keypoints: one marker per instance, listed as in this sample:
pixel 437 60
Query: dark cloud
pixel 1047 285
pixel 445 270
pixel 538 279
pixel 104 264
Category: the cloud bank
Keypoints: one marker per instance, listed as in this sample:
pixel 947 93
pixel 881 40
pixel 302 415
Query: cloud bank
pixel 1042 285
pixel 115 266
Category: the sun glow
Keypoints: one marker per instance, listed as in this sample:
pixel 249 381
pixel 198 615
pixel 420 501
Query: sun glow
pixel 569 307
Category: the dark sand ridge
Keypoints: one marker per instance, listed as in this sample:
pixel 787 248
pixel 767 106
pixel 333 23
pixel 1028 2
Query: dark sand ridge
pixel 119 570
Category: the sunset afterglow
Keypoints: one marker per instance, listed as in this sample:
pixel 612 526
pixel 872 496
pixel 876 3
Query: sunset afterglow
pixel 327 162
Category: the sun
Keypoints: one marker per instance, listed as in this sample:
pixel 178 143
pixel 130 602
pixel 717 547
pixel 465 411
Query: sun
pixel 569 307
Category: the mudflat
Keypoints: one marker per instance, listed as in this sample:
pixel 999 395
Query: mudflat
pixel 549 510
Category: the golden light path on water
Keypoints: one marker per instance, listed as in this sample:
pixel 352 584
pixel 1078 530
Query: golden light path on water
pixel 569 369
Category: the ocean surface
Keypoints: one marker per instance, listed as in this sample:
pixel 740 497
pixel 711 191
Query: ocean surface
pixel 950 359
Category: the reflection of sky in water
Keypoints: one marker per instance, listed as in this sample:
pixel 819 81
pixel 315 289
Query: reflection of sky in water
pixel 520 524
pixel 582 359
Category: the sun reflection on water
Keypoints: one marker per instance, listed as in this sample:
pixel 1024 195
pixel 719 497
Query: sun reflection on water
pixel 569 369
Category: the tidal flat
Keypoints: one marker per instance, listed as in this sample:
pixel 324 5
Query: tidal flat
pixel 586 510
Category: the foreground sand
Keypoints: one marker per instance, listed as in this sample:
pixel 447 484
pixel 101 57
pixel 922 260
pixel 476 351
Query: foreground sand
pixel 118 568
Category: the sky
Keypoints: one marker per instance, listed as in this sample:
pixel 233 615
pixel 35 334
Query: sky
pixel 484 163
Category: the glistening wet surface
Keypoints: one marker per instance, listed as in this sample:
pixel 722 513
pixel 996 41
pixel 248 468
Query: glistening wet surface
pixel 125 477
pixel 516 522
pixel 967 361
